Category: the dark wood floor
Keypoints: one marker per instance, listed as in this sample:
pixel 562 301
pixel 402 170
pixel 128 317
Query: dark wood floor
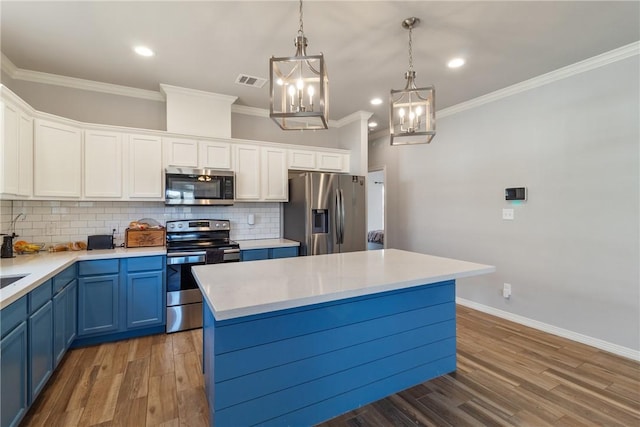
pixel 508 375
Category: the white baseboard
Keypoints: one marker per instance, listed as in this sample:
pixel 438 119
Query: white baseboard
pixel 565 333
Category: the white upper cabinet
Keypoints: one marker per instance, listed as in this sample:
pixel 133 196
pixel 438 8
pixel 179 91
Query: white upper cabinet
pixel 261 173
pixel 16 151
pixel 57 160
pixel 274 178
pixel 145 171
pixel 214 155
pixel 180 152
pixel 316 160
pixel 332 162
pixel 247 169
pixel 102 164
pixel 191 153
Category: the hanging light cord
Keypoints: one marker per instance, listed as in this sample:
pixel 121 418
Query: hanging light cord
pixel 410 48
pixel 301 29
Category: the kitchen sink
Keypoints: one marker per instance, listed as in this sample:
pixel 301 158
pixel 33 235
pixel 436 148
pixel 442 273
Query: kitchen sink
pixel 6 281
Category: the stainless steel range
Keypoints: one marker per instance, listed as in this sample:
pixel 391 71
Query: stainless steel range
pixel 189 243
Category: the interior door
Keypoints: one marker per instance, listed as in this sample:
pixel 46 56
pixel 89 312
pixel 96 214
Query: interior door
pixel 355 213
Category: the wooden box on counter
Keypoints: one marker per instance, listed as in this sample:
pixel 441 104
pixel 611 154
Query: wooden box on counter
pixel 144 238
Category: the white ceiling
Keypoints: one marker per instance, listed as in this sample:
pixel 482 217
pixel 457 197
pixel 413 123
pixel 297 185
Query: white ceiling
pixel 206 44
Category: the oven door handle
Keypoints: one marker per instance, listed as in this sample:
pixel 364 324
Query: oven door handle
pixel 186 258
pixel 231 251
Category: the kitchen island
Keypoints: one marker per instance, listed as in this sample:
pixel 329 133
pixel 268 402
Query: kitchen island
pixel 298 341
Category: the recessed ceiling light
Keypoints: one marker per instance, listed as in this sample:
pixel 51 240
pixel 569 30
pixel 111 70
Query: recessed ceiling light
pixel 455 63
pixel 143 51
pixel 376 101
pixel 373 124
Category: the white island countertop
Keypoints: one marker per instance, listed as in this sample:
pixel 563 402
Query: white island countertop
pixel 242 289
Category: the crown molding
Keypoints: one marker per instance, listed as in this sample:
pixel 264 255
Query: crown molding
pixel 353 117
pixel 168 89
pixel 589 64
pixel 250 111
pixel 75 83
pixel 7 66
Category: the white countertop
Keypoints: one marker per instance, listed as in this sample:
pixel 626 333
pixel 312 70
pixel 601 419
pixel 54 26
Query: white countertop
pixel 242 289
pixel 42 266
pixel 266 243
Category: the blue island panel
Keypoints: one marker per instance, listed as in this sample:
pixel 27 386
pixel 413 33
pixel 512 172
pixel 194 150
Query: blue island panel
pixel 305 365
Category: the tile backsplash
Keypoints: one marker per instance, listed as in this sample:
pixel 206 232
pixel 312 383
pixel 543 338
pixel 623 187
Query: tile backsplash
pixel 64 221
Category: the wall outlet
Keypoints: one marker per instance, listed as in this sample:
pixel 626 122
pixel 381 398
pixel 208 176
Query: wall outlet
pixel 506 290
pixel 113 227
pixel 508 214
pixel 50 228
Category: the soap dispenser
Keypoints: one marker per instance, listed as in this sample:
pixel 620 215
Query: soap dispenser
pixel 7 246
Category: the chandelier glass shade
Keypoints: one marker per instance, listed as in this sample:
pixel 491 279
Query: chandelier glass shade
pixel 299 88
pixel 412 118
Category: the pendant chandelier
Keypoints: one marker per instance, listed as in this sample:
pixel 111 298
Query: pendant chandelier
pixel 299 88
pixel 412 118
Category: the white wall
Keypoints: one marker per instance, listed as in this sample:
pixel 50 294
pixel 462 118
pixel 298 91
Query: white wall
pixel 89 106
pixel 572 252
pixel 375 200
pixel 64 221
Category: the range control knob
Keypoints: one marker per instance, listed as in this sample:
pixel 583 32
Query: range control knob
pixel 179 225
pixel 217 224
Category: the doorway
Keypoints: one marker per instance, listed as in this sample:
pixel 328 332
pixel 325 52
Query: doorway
pixel 376 209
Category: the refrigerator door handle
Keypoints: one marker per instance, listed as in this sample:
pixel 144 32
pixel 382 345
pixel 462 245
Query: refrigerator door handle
pixel 341 217
pixel 336 216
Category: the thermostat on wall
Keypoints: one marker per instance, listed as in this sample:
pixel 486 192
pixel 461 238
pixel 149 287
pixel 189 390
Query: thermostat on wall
pixel 515 193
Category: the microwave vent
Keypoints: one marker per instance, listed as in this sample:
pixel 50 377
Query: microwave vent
pixel 246 80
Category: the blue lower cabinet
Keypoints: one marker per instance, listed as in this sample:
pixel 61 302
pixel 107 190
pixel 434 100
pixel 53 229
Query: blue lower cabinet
pixel 13 368
pixel 268 253
pixel 40 355
pixel 119 299
pixel 65 315
pixel 145 299
pixel 71 319
pixel 98 304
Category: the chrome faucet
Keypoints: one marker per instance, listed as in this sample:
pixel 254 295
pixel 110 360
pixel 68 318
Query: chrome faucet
pixel 13 223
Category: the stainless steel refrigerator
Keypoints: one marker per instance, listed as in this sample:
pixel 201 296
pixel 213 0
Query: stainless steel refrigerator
pixel 326 213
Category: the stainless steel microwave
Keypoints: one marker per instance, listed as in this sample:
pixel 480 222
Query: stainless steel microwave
pixel 185 186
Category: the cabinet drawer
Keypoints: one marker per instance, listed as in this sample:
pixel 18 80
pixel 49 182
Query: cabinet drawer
pixel 254 254
pixel 13 315
pixel 39 296
pixel 104 266
pixel 145 263
pixel 62 279
pixel 287 252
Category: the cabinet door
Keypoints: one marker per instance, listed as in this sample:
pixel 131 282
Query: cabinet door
pixel 71 319
pixel 25 155
pixel 145 167
pixel 57 160
pixel 102 164
pixel 9 178
pixel 59 319
pixel 145 299
pixel 274 174
pixel 331 162
pixel 247 168
pixel 302 159
pixel 180 152
pixel 214 155
pixel 98 304
pixel 13 366
pixel 40 357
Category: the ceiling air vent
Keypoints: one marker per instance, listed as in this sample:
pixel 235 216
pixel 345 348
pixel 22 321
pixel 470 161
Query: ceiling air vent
pixel 252 81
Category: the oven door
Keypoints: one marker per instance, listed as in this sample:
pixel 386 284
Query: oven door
pixel 184 299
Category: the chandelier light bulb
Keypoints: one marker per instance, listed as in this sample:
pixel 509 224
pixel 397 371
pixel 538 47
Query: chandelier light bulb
pixel 279 82
pixel 401 112
pixel 300 84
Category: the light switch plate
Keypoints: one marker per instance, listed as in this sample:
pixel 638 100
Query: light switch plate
pixel 507 214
